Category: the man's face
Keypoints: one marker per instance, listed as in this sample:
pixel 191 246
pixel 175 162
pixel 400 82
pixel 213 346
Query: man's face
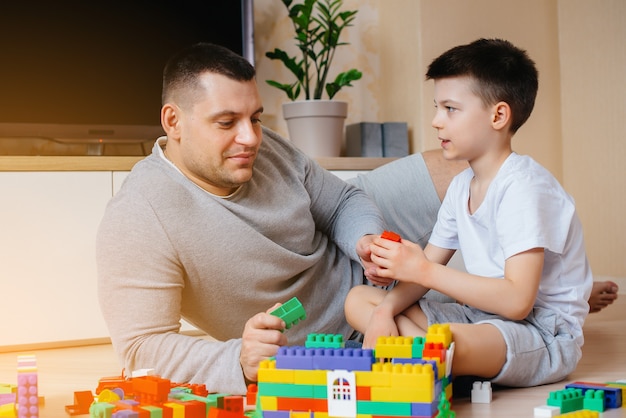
pixel 462 120
pixel 219 134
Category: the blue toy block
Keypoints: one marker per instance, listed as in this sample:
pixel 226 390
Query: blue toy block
pixel 302 358
pixel 612 395
pixel 296 358
pixel 276 414
pixel 425 409
pixel 349 359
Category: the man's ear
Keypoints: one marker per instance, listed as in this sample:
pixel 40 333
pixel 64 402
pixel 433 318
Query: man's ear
pixel 501 116
pixel 171 120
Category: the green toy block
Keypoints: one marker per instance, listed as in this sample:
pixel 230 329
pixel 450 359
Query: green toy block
pixel 567 399
pixel 291 312
pixel 594 400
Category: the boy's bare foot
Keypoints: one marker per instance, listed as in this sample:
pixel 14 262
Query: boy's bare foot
pixel 602 295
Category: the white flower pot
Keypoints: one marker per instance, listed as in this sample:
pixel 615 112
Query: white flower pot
pixel 316 126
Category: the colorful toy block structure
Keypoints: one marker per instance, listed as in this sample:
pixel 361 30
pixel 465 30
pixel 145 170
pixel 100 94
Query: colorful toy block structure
pixel 401 377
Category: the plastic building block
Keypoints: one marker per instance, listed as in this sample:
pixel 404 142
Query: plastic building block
pixel 82 402
pixel 567 399
pixel 324 341
pixel 612 395
pixel 439 333
pixel 291 312
pixel 546 411
pixel 251 394
pixel 394 347
pixel 444 408
pixel 481 392
pixel 27 387
pixel 390 235
pixel 594 400
pixel 581 414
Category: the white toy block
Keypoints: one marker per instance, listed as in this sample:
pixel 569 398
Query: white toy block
pixel 481 392
pixel 547 411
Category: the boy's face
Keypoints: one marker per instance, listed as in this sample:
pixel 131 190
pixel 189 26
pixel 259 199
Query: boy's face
pixel 463 122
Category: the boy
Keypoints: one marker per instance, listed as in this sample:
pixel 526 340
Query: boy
pixel 523 300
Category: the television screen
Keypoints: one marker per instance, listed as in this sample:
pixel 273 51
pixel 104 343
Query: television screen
pixel 84 70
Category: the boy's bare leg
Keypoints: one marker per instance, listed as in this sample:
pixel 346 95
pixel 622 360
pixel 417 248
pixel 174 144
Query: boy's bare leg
pixel 360 303
pixel 602 295
pixel 479 350
pixel 441 170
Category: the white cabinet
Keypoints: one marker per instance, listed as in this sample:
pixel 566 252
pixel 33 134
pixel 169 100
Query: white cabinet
pixel 48 224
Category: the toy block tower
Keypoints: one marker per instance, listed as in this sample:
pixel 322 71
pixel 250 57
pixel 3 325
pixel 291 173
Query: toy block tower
pixel 27 392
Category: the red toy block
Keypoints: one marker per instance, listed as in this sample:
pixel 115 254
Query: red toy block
pixel 434 350
pixel 231 403
pixel 222 413
pixel 363 393
pixel 253 391
pixel 390 235
pixel 82 402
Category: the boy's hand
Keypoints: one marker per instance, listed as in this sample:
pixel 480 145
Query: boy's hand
pixel 364 252
pixel 261 339
pixel 403 261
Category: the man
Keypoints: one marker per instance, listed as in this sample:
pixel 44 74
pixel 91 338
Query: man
pixel 224 220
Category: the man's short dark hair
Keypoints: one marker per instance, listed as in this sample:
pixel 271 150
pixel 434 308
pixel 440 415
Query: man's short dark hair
pixel 183 69
pixel 502 72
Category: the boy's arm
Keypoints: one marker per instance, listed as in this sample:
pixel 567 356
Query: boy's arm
pixel 512 297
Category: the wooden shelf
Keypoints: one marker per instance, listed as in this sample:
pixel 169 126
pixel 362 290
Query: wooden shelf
pixel 98 163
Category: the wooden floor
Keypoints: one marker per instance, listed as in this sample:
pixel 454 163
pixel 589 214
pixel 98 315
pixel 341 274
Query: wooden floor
pixel 63 371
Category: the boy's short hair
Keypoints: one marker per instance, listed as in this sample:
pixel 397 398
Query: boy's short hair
pixel 502 71
pixel 183 69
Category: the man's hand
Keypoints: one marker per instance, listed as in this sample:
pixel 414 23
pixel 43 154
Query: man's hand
pixel 363 250
pixel 261 339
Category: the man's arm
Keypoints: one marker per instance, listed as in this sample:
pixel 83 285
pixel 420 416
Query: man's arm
pixel 409 191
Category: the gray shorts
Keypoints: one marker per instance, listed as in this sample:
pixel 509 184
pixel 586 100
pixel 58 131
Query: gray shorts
pixel 540 349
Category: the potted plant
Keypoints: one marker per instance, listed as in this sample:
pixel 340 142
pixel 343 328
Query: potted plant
pixel 318 25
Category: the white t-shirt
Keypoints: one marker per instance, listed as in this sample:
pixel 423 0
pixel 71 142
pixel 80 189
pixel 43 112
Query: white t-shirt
pixel 525 207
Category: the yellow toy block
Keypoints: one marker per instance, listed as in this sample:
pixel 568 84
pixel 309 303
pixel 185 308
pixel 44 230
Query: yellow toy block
pixel 268 403
pixel 583 413
pixel 295 414
pixel 394 347
pixel 439 333
pixel 403 395
pixel 269 373
pixel 178 410
pixel 380 376
pixel 8 410
pixel 310 377
pixel 7 388
pixel 409 383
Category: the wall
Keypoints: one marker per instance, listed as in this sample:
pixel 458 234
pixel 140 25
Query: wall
pixel 393 41
pixel 593 116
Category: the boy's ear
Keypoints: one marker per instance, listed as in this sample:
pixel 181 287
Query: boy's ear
pixel 501 116
pixel 170 120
